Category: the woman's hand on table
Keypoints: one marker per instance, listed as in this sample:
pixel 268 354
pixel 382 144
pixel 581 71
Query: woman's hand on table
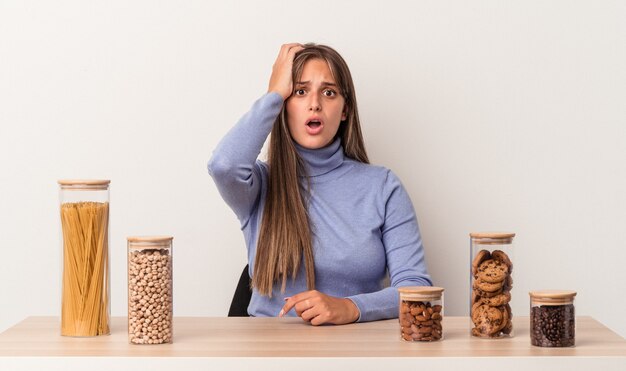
pixel 318 308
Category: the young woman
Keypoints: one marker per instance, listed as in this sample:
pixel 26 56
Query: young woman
pixel 322 226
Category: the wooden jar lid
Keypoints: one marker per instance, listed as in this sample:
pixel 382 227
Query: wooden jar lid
pixel 492 238
pixel 142 242
pixel 84 184
pixel 552 297
pixel 421 292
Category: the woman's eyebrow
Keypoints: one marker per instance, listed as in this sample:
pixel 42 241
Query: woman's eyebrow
pixel 324 83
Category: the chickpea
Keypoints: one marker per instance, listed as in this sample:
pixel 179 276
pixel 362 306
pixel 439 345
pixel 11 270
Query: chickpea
pixel 150 297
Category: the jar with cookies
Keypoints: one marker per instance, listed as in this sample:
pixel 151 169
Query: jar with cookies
pixel 491 283
pixel 150 291
pixel 421 313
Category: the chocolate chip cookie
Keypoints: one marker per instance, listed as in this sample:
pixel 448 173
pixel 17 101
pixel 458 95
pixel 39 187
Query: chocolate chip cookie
pixel 478 259
pixel 497 300
pixel 487 286
pixel 488 320
pixel 491 293
pixel 502 257
pixel 492 271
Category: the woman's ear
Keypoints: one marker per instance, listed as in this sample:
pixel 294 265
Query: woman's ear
pixel 344 114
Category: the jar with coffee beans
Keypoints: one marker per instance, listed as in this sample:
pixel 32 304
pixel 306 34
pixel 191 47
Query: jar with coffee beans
pixel 552 318
pixel 491 284
pixel 150 290
pixel 421 313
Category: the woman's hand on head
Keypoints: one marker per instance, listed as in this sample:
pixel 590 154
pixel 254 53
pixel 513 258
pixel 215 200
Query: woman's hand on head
pixel 318 308
pixel 280 81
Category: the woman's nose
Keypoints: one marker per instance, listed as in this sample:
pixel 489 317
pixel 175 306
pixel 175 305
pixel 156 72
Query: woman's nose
pixel 314 105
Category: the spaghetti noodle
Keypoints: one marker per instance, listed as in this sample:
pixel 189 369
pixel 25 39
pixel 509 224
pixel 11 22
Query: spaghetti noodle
pixel 85 297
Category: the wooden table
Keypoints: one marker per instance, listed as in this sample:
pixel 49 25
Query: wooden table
pixel 280 343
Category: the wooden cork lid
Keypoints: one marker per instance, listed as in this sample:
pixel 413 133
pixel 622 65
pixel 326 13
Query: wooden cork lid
pixel 492 238
pixel 421 292
pixel 552 297
pixel 143 242
pixel 150 238
pixel 84 184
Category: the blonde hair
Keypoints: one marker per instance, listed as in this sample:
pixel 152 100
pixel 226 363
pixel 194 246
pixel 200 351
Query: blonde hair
pixel 85 298
pixel 285 233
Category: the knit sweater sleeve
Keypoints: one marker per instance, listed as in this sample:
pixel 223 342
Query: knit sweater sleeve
pixel 404 252
pixel 233 165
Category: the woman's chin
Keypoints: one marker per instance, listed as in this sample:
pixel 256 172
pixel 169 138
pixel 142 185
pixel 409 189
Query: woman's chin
pixel 312 143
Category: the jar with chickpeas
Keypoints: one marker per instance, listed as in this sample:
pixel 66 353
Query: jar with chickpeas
pixel 150 290
pixel 421 313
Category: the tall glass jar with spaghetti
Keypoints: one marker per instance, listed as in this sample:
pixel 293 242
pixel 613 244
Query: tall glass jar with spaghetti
pixel 491 283
pixel 85 297
pixel 150 291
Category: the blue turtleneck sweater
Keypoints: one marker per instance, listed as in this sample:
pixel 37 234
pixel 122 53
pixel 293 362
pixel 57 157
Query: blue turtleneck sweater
pixel 362 220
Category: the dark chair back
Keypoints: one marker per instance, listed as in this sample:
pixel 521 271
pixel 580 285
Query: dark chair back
pixel 242 296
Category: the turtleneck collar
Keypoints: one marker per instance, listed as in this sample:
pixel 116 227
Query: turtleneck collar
pixel 323 160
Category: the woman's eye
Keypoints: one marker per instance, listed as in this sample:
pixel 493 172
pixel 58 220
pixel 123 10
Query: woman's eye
pixel 299 91
pixel 329 93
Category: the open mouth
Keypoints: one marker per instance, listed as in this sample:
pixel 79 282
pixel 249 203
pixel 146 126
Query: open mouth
pixel 314 124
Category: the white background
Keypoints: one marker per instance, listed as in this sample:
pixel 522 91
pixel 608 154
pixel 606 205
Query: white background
pixel 496 115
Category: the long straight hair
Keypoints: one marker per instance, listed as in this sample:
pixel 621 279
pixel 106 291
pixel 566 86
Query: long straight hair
pixel 285 235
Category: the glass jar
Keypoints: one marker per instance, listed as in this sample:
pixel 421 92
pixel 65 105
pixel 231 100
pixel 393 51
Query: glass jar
pixel 85 290
pixel 421 313
pixel 491 282
pixel 150 290
pixel 552 318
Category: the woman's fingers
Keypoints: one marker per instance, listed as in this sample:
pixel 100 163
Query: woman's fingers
pixel 302 306
pixel 309 308
pixel 313 315
pixel 293 50
pixel 308 305
pixel 296 300
pixel 281 80
pixel 318 308
pixel 284 49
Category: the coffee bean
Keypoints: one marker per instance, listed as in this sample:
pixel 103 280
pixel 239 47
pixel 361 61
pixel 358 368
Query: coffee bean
pixel 552 325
